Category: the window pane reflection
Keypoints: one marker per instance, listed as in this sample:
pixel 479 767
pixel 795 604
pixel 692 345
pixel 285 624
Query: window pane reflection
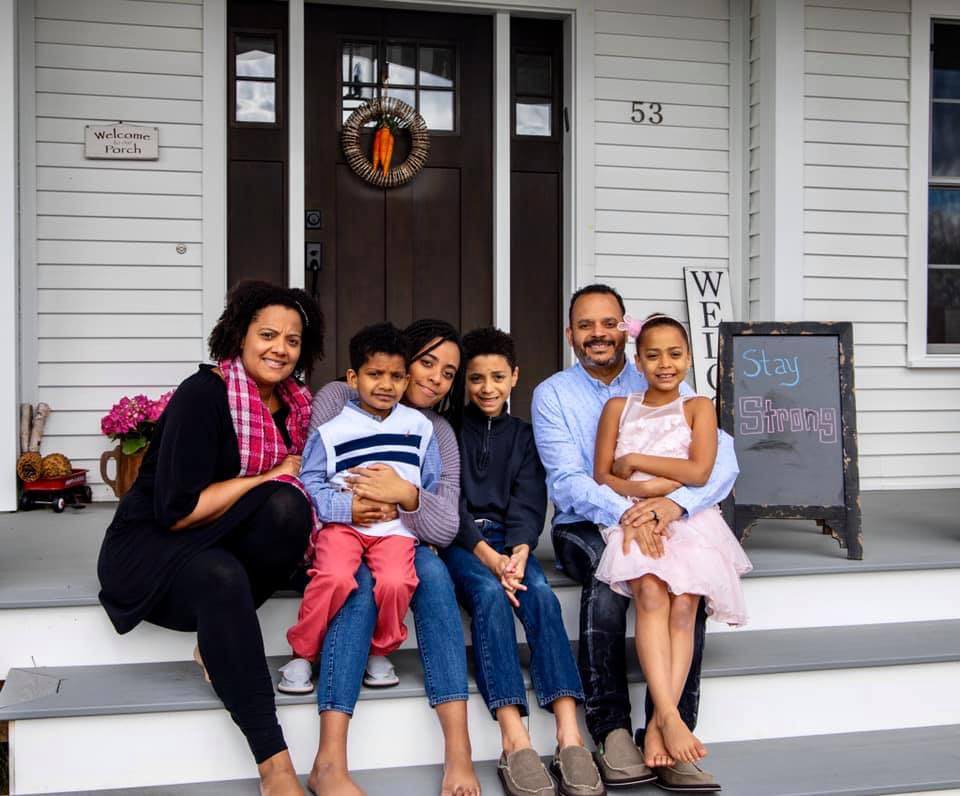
pixel 436 66
pixel 407 95
pixel 532 74
pixel 943 305
pixel 256 57
pixel 946 61
pixel 945 140
pixel 359 63
pixel 436 108
pixel 256 102
pixel 401 64
pixel 533 118
pixel 943 228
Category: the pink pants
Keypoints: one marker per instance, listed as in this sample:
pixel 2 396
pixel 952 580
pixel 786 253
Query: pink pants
pixel 339 551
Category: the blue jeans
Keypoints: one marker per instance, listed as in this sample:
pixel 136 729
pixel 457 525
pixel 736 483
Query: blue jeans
pixel 497 663
pixel 439 639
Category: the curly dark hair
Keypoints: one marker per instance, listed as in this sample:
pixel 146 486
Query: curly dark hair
pixel 379 338
pixel 245 300
pixel 489 341
pixel 419 335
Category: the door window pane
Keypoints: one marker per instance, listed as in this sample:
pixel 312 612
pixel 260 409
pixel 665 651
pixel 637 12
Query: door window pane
pixel 945 140
pixel 533 118
pixel 256 57
pixel 256 101
pixel 354 97
pixel 943 228
pixel 943 306
pixel 401 64
pixel 946 61
pixel 359 62
pixel 436 108
pixel 437 65
pixel 532 74
pixel 407 95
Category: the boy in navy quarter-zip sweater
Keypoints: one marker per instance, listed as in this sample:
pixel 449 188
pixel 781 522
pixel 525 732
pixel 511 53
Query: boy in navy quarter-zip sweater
pixel 503 501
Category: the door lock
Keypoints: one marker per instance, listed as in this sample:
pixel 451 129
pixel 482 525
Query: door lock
pixel 313 255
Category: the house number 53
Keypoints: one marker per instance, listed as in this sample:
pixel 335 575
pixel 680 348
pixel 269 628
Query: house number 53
pixel 649 112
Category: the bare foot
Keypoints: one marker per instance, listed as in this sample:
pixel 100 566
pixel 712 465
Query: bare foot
pixel 654 751
pixel 277 777
pixel 199 660
pixel 459 778
pixel 328 780
pixel 682 744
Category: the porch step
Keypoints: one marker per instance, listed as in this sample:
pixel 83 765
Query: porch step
pixel 910 761
pixel 757 685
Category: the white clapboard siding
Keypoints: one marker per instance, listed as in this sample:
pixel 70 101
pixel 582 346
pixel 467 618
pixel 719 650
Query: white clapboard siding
pixel 754 199
pixel 856 236
pixel 662 190
pixel 118 256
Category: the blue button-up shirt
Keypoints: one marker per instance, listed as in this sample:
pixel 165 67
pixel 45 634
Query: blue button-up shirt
pixel 566 412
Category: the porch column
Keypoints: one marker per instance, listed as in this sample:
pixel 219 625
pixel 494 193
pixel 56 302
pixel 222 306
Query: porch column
pixel 781 154
pixel 9 372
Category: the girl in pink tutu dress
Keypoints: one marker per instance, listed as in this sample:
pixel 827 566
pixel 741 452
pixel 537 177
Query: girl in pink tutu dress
pixel 665 440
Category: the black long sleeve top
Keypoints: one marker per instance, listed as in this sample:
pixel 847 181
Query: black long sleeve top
pixel 502 479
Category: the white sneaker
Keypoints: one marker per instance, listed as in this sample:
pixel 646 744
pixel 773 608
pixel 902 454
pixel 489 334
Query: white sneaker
pixel 380 672
pixel 296 677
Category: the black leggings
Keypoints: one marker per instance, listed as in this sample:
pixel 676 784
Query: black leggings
pixel 217 594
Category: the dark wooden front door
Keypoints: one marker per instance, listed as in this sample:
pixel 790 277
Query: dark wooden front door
pixel 424 249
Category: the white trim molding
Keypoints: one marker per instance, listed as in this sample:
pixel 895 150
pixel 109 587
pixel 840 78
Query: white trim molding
pixel 214 271
pixel 9 447
pixel 501 170
pixel 923 11
pixel 296 164
pixel 781 152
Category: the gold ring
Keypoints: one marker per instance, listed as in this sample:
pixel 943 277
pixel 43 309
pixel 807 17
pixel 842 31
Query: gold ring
pixel 654 513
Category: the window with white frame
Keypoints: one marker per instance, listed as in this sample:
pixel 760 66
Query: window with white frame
pixel 943 190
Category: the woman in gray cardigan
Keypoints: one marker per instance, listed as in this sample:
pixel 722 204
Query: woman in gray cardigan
pixel 436 388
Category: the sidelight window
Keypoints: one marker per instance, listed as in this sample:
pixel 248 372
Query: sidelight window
pixel 255 79
pixel 533 94
pixel 943 195
pixel 422 75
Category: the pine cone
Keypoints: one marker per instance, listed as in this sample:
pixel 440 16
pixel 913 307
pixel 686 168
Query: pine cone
pixel 29 466
pixel 56 465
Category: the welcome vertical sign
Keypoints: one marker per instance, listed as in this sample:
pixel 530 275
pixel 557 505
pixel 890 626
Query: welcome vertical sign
pixel 708 304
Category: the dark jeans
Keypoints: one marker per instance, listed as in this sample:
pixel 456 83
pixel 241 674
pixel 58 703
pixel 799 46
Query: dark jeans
pixel 603 628
pixel 496 661
pixel 217 593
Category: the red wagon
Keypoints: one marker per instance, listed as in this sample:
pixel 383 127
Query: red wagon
pixel 58 493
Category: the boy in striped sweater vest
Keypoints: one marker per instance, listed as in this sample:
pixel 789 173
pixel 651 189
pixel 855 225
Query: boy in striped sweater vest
pixel 375 429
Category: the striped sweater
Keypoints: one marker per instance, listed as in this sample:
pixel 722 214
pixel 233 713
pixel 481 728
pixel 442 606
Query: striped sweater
pixel 437 518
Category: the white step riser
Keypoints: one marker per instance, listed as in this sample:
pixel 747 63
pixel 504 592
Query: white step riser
pixel 167 748
pixel 83 635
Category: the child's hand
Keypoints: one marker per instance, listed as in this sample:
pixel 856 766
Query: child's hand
pixel 623 467
pixel 381 482
pixel 367 512
pixel 659 486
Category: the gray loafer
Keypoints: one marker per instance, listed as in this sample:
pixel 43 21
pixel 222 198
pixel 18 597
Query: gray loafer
pixel 620 762
pixel 576 773
pixel 686 778
pixel 522 773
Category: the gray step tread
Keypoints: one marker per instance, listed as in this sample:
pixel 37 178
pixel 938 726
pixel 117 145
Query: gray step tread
pixel 50 559
pixel 851 764
pixel 173 686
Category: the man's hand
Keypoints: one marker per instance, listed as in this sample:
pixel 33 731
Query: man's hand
pixel 646 538
pixel 663 510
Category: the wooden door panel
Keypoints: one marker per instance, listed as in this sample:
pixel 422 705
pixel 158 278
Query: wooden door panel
pixel 256 221
pixel 436 236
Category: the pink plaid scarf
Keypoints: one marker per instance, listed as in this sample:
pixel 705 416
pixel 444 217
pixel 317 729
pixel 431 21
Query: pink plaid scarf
pixel 260 442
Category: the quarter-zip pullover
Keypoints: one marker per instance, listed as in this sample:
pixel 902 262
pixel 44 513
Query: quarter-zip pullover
pixel 502 479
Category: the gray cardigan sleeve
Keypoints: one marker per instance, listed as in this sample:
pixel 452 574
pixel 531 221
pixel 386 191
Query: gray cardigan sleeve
pixel 437 518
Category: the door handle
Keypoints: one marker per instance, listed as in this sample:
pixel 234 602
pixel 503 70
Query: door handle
pixel 313 256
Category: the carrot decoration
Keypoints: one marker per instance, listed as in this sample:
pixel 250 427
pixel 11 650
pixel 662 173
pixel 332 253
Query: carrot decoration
pixel 388 156
pixel 377 147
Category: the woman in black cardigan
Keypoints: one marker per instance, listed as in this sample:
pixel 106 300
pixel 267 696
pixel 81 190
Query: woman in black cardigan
pixel 195 547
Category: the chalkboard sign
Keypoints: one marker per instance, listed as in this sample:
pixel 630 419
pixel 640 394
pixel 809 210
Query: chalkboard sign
pixel 786 397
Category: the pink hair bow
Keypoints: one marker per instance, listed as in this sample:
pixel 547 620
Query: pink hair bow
pixel 632 326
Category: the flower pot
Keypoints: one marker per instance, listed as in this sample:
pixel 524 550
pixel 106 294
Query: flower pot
pixel 127 468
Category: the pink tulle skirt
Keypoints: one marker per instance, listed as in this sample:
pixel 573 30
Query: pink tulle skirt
pixel 701 556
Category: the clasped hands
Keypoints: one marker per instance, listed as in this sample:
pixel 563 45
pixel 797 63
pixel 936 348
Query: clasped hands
pixel 378 494
pixel 646 522
pixel 509 570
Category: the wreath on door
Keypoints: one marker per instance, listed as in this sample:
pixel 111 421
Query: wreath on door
pixel 392 117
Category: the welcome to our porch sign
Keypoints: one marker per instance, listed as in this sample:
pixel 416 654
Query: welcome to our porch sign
pixel 121 142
